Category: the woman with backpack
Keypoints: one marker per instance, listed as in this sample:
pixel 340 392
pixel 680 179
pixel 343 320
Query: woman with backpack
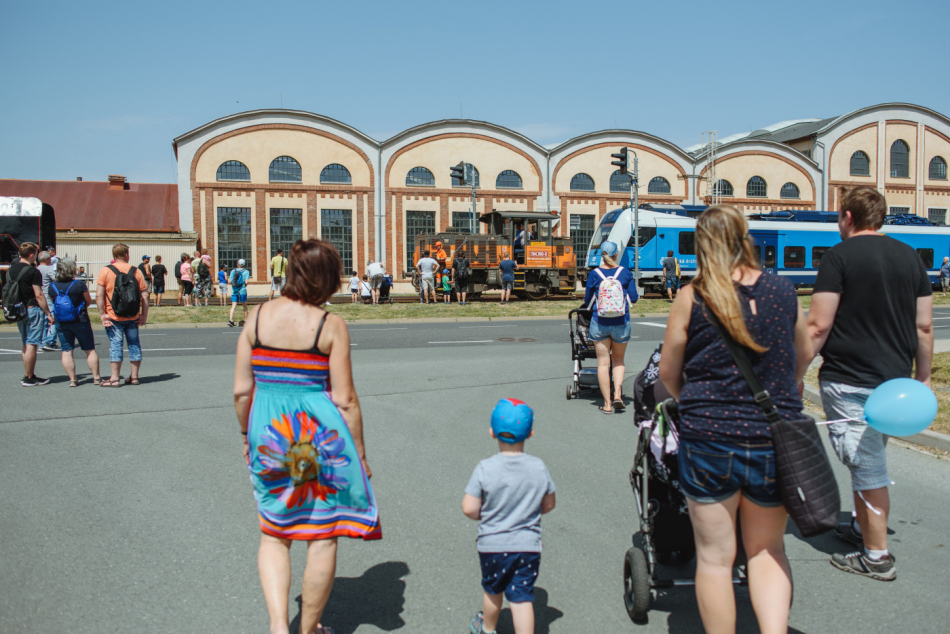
pixel 70 299
pixel 610 291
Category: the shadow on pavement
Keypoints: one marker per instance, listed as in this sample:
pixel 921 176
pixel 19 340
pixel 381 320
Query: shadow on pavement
pixel 158 378
pixel 827 543
pixel 544 615
pixel 683 613
pixel 374 598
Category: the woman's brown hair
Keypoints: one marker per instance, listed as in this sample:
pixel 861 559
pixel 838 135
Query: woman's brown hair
pixel 723 244
pixel 314 269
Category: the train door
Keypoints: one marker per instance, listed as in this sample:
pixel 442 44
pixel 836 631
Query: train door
pixel 766 248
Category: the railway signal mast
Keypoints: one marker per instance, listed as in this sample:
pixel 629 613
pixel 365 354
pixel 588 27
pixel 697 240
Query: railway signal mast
pixel 465 173
pixel 623 163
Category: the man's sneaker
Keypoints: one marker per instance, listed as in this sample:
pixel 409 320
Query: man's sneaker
pixel 33 381
pixel 231 324
pixel 52 348
pixel 476 624
pixel 859 564
pixel 846 531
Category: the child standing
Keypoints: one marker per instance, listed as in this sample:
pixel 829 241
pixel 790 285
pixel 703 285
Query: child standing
pixel 446 287
pixel 507 494
pixel 355 287
pixel 222 284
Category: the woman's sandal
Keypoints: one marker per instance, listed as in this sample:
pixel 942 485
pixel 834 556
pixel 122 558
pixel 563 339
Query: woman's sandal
pixel 605 411
pixel 131 381
pixel 618 405
pixel 73 383
pixel 97 381
pixel 110 383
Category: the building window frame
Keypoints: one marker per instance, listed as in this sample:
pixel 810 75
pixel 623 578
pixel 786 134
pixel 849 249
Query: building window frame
pixel 420 177
pixel 335 174
pixel 900 159
pixel 509 179
pixel 860 164
pixel 620 183
pixel 790 190
pixel 582 236
pixel 417 223
pixel 718 188
pixel 659 185
pixel 336 227
pixel 234 237
pixel 285 169
pixel 757 188
pixel 286 227
pixel 941 215
pixel 233 171
pixel 937 169
pixel 582 182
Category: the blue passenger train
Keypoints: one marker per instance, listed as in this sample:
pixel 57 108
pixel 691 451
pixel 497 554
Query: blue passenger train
pixel 787 248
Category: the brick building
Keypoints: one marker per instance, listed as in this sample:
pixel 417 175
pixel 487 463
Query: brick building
pixel 252 182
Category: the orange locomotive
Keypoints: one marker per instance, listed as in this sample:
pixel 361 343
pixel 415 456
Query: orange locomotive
pixel 546 264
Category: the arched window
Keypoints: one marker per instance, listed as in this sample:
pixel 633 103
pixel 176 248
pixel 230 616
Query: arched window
pixel 620 182
pixel 582 183
pixel 508 179
pixel 900 159
pixel 658 185
pixel 789 190
pixel 335 173
pixel 285 169
pixel 420 177
pixel 938 169
pixel 233 171
pixel 457 183
pixel 756 188
pixel 860 164
pixel 722 188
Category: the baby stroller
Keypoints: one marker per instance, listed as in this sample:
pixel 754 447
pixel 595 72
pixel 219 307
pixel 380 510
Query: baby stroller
pixel 582 348
pixel 385 288
pixel 666 533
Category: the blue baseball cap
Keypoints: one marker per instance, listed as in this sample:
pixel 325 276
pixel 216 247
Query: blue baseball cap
pixel 514 417
pixel 608 248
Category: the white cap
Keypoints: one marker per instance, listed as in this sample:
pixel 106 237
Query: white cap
pixel 241 262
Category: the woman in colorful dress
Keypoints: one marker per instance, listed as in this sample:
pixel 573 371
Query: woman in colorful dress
pixel 303 441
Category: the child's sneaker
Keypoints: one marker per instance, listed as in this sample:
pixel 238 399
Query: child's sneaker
pixel 858 563
pixel 476 624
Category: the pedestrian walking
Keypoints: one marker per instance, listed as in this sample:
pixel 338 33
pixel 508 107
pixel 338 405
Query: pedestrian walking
pixel 610 291
pixel 122 299
pixel 23 298
pixel 223 285
pixel 670 277
pixel 145 268
pixel 945 275
pixel 278 269
pixel 239 277
pixel 871 319
pixel 507 495
pixel 446 287
pixel 375 271
pixel 181 287
pixel 48 270
pixel 303 444
pixel 507 268
pixel 355 287
pixel 201 272
pixel 158 279
pixel 726 456
pixel 187 279
pixel 427 268
pixel 70 301
pixel 461 272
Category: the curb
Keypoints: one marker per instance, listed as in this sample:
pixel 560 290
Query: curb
pixel 926 438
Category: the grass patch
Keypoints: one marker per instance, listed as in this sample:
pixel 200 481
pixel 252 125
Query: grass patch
pixel 940 379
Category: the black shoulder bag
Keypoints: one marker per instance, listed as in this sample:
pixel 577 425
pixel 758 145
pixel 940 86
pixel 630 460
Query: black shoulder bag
pixel 805 479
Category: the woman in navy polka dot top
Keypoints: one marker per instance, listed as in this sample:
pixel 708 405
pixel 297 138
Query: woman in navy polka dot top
pixel 726 457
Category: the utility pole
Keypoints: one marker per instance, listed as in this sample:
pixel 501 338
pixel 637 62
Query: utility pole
pixel 623 163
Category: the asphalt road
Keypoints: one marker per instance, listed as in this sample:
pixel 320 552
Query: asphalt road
pixel 131 510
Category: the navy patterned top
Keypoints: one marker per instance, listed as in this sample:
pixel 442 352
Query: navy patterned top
pixel 716 402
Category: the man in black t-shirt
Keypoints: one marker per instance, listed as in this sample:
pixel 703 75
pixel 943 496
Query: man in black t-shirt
pixel 33 327
pixel 158 279
pixel 461 271
pixel 871 320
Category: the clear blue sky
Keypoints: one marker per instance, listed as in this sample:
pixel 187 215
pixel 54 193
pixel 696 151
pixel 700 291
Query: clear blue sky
pixel 98 88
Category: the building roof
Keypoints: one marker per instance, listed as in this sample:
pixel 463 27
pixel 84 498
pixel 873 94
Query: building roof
pixel 103 206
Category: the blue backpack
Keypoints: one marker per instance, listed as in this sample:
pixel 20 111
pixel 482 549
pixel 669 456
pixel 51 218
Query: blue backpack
pixel 63 308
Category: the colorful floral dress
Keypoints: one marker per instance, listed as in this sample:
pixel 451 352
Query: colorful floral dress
pixel 308 480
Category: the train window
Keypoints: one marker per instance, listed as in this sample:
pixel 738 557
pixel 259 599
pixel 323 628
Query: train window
pixel 606 225
pixel 816 254
pixel 794 257
pixel 646 234
pixel 687 243
pixel 927 255
pixel 769 257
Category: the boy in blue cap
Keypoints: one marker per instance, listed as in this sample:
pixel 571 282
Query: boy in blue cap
pixel 507 494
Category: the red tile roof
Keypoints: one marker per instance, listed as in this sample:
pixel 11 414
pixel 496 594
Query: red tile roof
pixel 94 206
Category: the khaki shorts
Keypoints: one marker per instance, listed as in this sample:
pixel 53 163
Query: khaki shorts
pixel 427 284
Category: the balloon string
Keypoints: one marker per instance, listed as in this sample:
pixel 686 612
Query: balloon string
pixel 840 420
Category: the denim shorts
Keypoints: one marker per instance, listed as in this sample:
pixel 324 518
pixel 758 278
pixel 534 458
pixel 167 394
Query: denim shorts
pixel 130 331
pixel 71 331
pixel 222 290
pixel 672 282
pixel 507 285
pixel 512 573
pixel 712 471
pixel 860 447
pixel 158 288
pixel 618 334
pixel 239 295
pixel 33 328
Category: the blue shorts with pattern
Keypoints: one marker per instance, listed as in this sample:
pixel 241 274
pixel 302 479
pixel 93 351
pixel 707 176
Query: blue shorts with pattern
pixel 512 573
pixel 239 295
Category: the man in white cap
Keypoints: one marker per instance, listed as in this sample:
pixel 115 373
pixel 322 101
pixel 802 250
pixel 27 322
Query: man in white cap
pixel 239 278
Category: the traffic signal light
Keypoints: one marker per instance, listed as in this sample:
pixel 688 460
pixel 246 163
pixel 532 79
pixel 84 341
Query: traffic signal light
pixel 458 172
pixel 621 161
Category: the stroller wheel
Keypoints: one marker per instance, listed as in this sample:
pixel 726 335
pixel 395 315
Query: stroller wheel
pixel 636 584
pixel 570 393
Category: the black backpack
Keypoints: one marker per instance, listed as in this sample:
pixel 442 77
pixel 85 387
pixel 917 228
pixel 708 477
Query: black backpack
pixel 126 297
pixel 14 309
pixel 203 270
pixel 464 269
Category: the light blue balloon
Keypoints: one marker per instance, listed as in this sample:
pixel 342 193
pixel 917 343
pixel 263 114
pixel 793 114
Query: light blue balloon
pixel 901 407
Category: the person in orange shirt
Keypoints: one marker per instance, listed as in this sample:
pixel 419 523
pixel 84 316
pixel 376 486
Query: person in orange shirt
pixel 122 311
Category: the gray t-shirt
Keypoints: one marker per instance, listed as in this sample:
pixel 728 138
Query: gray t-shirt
pixel 511 487
pixel 427 266
pixel 670 265
pixel 48 273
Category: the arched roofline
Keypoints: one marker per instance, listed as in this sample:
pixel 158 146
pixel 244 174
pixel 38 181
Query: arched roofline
pixel 272 112
pixel 463 123
pixel 884 106
pixel 615 133
pixel 780 148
